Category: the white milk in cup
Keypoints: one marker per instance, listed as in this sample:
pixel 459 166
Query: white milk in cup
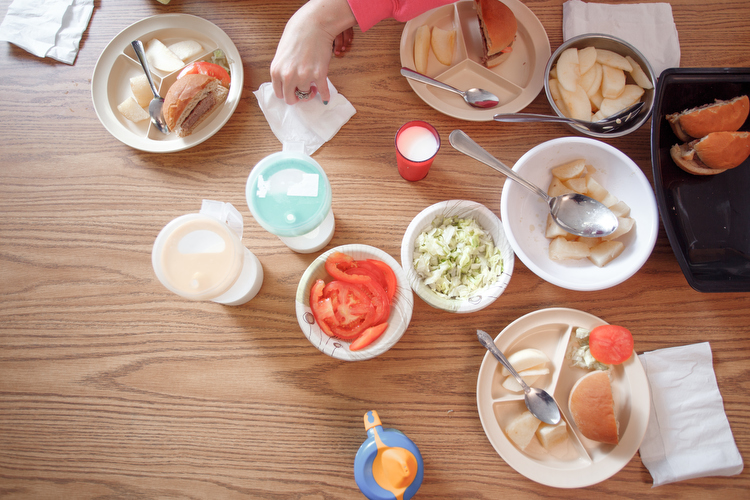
pixel 201 257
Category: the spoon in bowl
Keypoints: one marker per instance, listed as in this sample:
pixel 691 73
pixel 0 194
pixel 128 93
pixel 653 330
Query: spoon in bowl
pixel 538 401
pixel 474 97
pixel 576 213
pixel 609 124
pixel 156 104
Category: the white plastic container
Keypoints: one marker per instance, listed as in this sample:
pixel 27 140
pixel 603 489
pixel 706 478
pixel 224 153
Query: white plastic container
pixel 201 257
pixel 289 195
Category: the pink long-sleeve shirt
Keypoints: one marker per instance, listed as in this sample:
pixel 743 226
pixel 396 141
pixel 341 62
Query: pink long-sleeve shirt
pixel 370 12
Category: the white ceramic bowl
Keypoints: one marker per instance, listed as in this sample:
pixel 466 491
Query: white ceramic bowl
pixel 489 222
pixel 606 42
pixel 401 307
pixel 524 213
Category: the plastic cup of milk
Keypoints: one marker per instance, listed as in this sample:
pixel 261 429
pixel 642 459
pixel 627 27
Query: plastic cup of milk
pixel 201 257
pixel 417 144
pixel 290 196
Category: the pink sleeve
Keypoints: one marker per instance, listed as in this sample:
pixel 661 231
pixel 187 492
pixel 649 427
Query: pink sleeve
pixel 371 12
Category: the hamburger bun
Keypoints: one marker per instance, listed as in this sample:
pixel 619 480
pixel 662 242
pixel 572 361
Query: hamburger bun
pixel 190 100
pixel 720 116
pixel 593 408
pixel 498 27
pixel 712 154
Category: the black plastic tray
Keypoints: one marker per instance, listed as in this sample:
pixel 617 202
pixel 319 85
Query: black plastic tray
pixel 707 218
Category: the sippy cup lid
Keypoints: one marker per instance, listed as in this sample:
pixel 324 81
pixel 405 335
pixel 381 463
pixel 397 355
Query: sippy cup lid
pixel 388 465
pixel 288 193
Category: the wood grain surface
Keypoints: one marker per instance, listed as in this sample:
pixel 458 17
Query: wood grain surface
pixel 113 387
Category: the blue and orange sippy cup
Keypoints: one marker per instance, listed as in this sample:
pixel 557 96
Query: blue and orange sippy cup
pixel 388 465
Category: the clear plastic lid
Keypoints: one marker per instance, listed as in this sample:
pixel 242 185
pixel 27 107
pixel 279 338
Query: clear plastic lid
pixel 288 193
pixel 197 256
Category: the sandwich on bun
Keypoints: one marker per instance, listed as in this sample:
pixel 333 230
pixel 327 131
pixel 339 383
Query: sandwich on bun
pixel 498 27
pixel 190 100
pixel 712 154
pixel 720 116
pixel 593 408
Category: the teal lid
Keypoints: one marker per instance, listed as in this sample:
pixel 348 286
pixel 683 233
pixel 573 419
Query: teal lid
pixel 288 193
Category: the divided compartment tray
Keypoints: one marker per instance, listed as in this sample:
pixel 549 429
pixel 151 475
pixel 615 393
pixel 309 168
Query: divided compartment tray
pixel 579 462
pixel 516 82
pixel 118 64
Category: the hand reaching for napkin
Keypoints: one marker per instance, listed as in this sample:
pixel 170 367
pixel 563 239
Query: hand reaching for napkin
pixel 52 28
pixel 649 27
pixel 688 434
pixel 310 122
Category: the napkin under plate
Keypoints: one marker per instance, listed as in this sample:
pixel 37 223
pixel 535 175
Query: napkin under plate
pixel 649 27
pixel 688 434
pixel 47 28
pixel 310 122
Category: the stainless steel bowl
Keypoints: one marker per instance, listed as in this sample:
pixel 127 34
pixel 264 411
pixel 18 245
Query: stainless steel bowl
pixel 606 42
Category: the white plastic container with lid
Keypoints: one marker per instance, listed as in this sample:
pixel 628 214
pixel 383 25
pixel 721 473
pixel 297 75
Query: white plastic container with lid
pixel 289 195
pixel 201 257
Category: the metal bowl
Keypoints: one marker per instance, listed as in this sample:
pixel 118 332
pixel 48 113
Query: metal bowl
pixel 606 42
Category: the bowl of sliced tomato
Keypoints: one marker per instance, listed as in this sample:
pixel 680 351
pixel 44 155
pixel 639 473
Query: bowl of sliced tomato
pixel 354 302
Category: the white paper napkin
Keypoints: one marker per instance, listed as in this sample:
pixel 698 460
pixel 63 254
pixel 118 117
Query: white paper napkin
pixel 649 27
pixel 310 122
pixel 47 28
pixel 688 434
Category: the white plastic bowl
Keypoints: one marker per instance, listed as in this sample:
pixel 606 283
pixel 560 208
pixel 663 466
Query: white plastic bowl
pixel 489 222
pixel 401 306
pixel 524 214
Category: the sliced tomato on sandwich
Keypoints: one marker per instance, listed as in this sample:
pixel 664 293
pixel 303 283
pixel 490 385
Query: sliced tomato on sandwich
pixel 208 69
pixel 611 344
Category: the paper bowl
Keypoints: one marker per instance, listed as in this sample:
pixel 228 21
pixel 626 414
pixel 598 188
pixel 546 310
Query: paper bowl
pixel 606 42
pixel 401 307
pixel 524 213
pixel 489 222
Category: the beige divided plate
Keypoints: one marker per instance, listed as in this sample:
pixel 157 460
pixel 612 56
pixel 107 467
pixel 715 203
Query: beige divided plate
pixel 110 84
pixel 517 81
pixel 579 462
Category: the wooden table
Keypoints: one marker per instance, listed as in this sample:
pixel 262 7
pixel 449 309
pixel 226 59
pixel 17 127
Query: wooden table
pixel 111 386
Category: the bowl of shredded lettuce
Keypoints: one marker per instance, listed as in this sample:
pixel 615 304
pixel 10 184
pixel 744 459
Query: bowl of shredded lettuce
pixel 456 256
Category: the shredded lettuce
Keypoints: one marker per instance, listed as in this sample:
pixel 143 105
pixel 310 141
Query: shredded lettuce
pixel 456 257
pixel 218 57
pixel 579 353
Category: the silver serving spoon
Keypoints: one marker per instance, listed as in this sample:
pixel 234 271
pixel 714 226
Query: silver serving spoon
pixel 576 213
pixel 156 104
pixel 538 401
pixel 475 97
pixel 609 124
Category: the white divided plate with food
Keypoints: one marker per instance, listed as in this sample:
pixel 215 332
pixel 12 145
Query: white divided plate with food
pixel 578 462
pixel 110 84
pixel 516 81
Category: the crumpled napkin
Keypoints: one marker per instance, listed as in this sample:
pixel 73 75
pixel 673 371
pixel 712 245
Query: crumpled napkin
pixel 688 434
pixel 47 28
pixel 649 27
pixel 310 122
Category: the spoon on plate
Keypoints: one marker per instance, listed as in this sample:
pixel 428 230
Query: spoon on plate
pixel 576 213
pixel 609 124
pixel 156 104
pixel 538 401
pixel 474 97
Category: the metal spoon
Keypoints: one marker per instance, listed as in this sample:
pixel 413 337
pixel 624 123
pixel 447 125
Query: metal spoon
pixel 609 124
pixel 576 213
pixel 538 401
pixel 475 97
pixel 156 104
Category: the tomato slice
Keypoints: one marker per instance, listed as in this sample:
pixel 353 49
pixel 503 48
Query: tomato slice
pixel 391 283
pixel 368 336
pixel 352 307
pixel 321 306
pixel 207 68
pixel 338 263
pixel 611 344
pixel 379 300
